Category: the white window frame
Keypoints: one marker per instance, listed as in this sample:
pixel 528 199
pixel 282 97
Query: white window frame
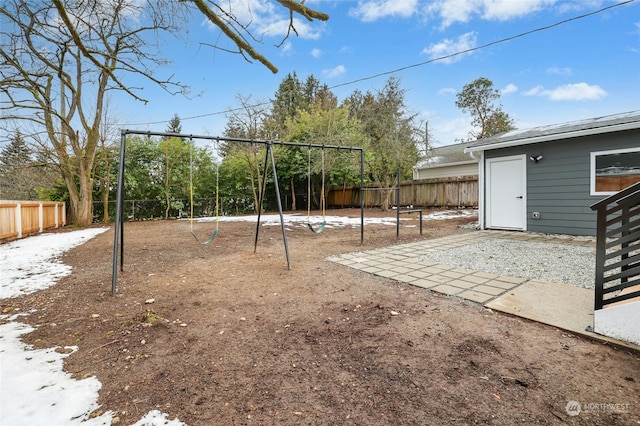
pixel 592 170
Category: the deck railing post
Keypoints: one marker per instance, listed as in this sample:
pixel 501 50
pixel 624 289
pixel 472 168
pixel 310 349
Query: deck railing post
pixel 601 243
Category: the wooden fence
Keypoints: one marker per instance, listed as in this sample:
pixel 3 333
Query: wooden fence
pixel 19 219
pixel 440 192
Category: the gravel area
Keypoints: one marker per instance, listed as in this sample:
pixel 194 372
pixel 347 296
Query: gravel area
pixel 560 263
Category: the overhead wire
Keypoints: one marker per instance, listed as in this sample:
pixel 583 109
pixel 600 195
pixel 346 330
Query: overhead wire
pixel 419 64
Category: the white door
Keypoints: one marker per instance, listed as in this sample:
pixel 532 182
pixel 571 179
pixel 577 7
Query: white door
pixel 506 193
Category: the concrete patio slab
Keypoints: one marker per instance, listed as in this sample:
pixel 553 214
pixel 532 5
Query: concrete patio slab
pixel 558 305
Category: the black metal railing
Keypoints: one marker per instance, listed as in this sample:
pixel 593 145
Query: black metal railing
pixel 618 247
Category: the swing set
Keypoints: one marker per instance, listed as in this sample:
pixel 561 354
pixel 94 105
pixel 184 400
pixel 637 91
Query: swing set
pixel 118 237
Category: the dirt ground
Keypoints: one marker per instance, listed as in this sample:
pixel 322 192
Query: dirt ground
pixel 219 335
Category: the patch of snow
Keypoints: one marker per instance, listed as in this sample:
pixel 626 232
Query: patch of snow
pixel 156 418
pixel 335 221
pixel 35 390
pixel 31 264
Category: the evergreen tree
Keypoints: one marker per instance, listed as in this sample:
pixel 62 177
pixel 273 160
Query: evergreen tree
pixel 174 126
pixel 16 153
pixel 288 100
pixel 389 134
pixel 22 177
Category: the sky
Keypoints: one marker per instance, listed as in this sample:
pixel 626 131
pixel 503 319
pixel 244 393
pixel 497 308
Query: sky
pixel 550 63
pixel 34 388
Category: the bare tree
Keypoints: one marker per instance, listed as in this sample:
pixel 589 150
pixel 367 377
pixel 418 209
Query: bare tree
pixel 247 121
pixel 58 60
pixel 107 155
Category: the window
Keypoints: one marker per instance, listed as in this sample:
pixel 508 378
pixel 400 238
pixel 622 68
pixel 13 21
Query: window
pixel 612 171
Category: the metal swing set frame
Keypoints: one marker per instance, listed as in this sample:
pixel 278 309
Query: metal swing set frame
pixel 118 237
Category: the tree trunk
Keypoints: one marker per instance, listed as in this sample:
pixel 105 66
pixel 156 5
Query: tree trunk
pixel 85 208
pixel 293 195
pixel 254 171
pixel 167 197
pixel 386 194
pixel 81 201
pixel 106 184
pixel 105 198
pixel 80 192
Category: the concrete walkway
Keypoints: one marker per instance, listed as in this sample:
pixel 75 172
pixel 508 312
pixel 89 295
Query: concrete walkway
pixel 559 305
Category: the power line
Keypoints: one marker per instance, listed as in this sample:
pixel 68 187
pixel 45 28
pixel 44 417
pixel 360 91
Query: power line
pixel 419 64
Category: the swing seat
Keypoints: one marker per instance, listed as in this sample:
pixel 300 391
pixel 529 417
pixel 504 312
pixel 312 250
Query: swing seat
pixel 320 229
pixel 211 238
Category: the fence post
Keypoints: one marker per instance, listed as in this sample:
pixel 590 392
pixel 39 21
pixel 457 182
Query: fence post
pixel 40 217
pixel 414 197
pixel 19 219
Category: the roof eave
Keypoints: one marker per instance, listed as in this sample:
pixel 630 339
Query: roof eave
pixel 436 166
pixel 555 136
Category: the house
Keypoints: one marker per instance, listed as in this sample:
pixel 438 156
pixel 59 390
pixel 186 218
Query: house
pixel 545 179
pixel 446 162
pixel 447 177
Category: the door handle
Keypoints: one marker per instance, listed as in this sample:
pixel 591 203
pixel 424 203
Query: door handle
pixel 519 197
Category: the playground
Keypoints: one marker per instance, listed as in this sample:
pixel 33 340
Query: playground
pixel 221 334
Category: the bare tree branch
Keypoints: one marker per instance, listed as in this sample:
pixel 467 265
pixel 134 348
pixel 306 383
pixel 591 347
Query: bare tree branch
pixel 303 10
pixel 236 37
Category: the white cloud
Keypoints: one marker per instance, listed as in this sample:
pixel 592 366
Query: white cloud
pixel 263 18
pixel 447 91
pixel 248 10
pixel 510 88
pixel 637 31
pixel 287 47
pixel 334 72
pixel 370 11
pixel 316 53
pixel 452 131
pixel 447 47
pixel 569 92
pixel 346 49
pixel 503 10
pixel 560 71
pixel 452 11
pixel 578 6
pixel 536 91
pixel 275 26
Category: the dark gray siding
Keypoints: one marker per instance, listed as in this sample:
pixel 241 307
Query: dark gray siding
pixel 559 186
